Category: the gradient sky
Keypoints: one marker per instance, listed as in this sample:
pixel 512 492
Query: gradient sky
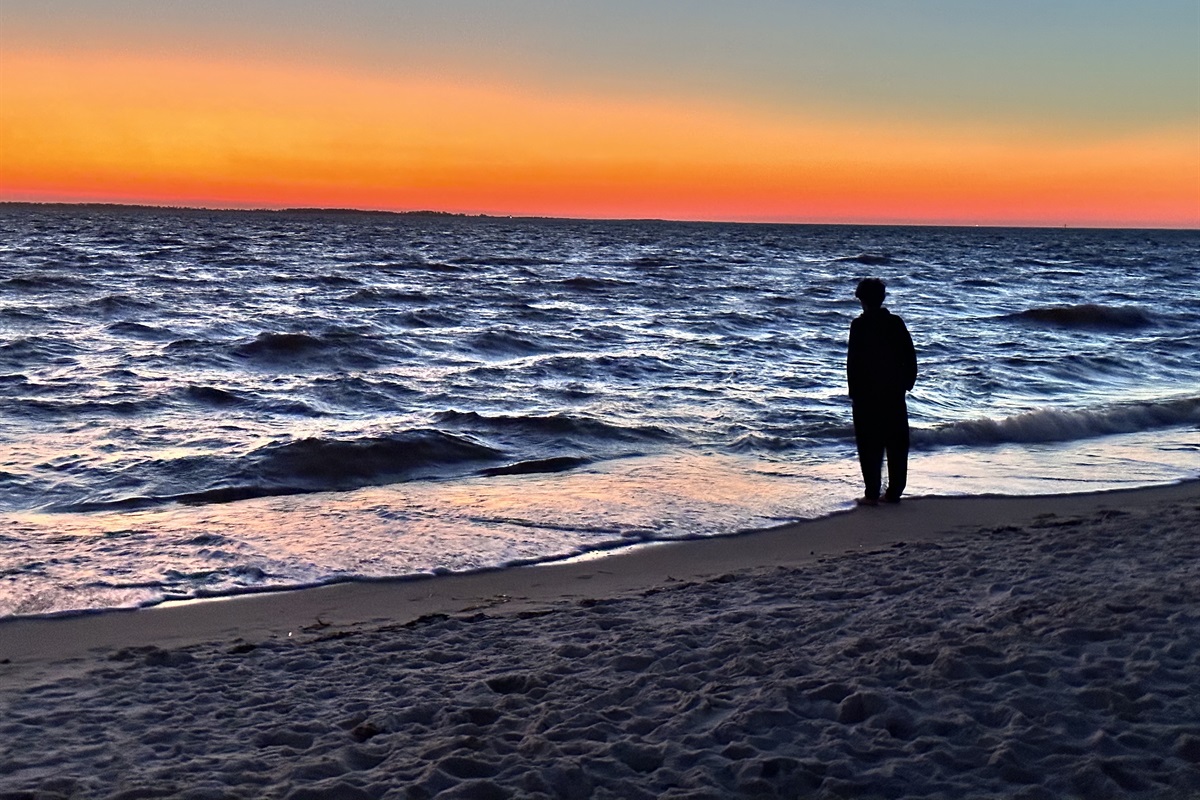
pixel 960 111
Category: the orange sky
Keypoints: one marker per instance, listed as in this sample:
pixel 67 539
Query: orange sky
pixel 188 130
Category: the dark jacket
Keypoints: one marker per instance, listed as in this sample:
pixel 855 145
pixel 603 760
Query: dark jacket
pixel 881 360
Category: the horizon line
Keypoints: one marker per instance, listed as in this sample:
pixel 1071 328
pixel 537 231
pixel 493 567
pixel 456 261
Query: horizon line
pixel 348 211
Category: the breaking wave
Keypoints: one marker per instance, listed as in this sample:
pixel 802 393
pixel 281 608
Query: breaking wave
pixel 333 464
pixel 311 465
pixel 1056 425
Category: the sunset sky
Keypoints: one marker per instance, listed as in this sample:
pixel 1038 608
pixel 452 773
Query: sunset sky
pixel 1078 112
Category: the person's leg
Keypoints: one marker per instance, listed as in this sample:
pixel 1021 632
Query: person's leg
pixel 897 443
pixel 867 436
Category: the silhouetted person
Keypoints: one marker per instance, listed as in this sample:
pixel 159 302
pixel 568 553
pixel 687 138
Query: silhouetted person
pixel 881 365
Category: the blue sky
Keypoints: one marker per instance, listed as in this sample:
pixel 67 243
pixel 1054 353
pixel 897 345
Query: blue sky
pixel 1068 64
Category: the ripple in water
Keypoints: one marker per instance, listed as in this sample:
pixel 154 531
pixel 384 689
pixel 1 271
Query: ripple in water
pixel 380 395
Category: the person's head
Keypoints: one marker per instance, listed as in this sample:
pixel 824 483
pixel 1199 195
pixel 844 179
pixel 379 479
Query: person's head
pixel 870 291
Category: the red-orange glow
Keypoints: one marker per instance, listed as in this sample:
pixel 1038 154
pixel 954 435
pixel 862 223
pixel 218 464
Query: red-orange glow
pixel 218 133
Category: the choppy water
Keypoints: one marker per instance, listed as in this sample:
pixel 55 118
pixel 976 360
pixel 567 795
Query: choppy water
pixel 198 403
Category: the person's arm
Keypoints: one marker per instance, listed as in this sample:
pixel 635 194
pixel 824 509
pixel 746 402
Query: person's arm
pixel 854 359
pixel 909 357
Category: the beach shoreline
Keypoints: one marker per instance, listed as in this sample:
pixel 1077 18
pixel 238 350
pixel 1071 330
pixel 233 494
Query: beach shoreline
pixel 595 575
pixel 1031 647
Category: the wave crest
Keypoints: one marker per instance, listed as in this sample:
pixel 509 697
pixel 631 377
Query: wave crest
pixel 1057 425
pixel 342 348
pixel 588 283
pixel 335 464
pixel 310 465
pixel 1088 315
pixel 273 345
pixel 868 259
pixel 555 425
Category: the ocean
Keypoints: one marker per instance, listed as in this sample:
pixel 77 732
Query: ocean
pixel 206 403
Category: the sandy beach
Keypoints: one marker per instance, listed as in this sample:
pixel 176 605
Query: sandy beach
pixel 1037 647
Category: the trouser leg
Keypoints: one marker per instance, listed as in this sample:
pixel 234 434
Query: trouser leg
pixel 897 443
pixel 870 448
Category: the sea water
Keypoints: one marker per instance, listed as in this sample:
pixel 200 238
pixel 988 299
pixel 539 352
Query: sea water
pixel 198 403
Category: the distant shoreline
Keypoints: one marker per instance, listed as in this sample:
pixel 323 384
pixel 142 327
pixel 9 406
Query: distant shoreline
pixel 318 212
pixel 144 207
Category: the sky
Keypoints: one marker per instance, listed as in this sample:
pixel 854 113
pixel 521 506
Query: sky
pixel 1027 112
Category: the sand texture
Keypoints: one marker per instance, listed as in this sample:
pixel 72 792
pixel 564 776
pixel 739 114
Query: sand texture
pixel 1057 658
